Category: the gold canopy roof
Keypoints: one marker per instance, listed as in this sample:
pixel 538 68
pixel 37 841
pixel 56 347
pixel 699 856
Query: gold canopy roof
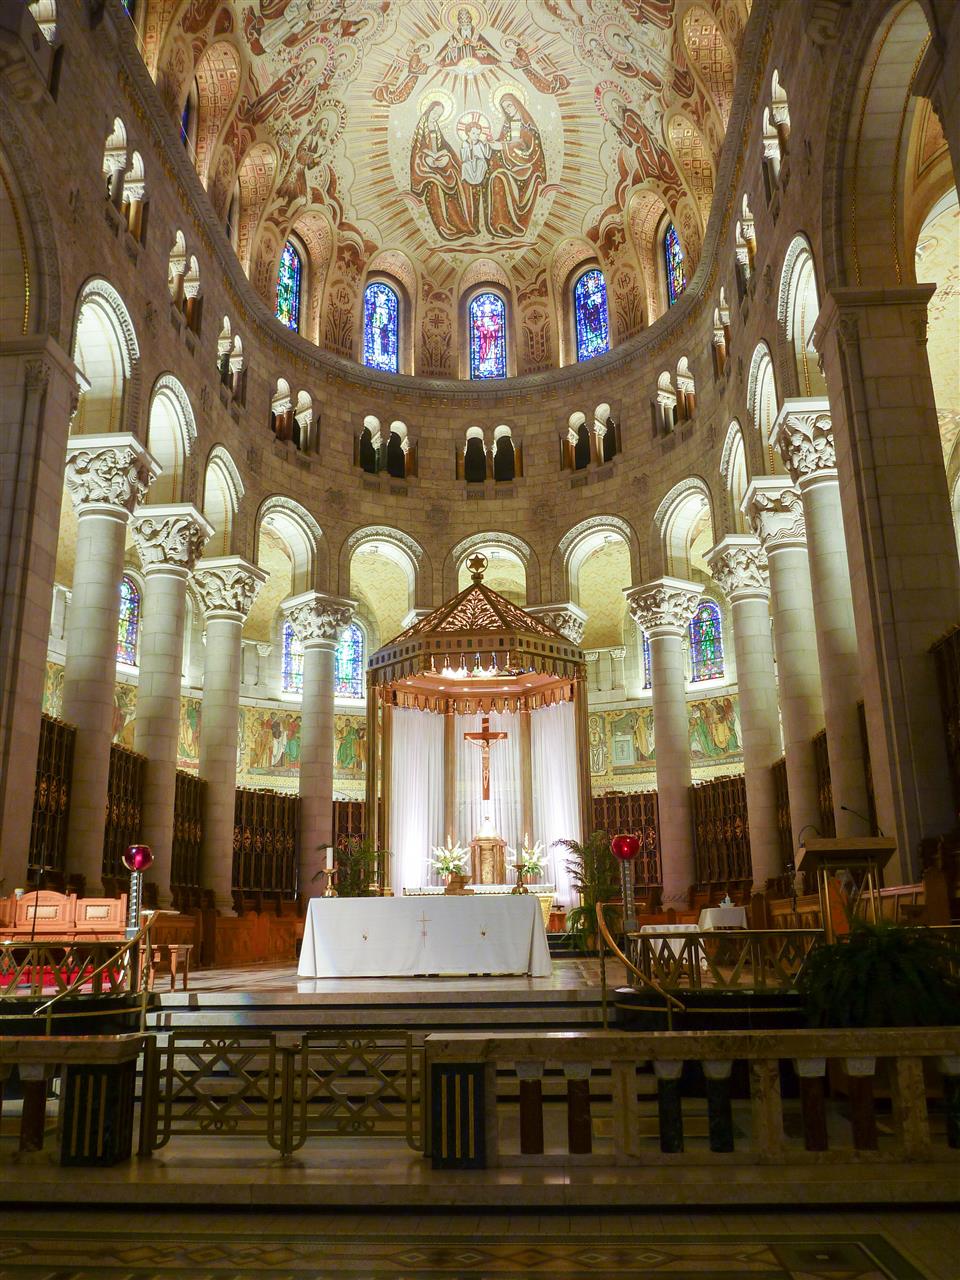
pixel 478 648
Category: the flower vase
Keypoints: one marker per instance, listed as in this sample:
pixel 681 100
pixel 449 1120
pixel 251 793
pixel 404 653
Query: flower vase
pixel 457 884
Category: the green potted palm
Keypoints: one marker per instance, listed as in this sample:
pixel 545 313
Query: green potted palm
pixel 358 868
pixel 595 875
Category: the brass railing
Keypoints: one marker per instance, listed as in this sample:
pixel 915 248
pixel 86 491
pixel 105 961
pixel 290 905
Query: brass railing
pixel 607 942
pixel 282 1087
pixel 723 960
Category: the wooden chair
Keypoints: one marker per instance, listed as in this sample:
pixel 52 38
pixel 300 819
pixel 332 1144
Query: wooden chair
pixel 172 958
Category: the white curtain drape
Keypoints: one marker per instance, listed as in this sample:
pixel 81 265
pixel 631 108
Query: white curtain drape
pixel 505 797
pixel 416 796
pixel 556 800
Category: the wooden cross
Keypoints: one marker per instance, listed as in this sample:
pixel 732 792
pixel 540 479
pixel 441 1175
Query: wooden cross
pixel 483 740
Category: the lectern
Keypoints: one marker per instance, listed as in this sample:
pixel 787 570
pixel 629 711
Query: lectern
pixel 848 871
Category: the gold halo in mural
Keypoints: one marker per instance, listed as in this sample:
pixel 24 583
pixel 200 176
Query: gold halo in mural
pixel 437 95
pixel 474 119
pixel 496 97
pixel 450 17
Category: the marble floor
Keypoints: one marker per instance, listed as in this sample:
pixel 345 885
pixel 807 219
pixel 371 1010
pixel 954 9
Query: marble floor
pixel 130 1243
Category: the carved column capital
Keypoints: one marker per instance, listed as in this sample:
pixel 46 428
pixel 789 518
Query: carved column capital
pixel 803 435
pixel 170 537
pixel 319 619
pixel 566 617
pixel 227 586
pixel 108 472
pixel 739 566
pixel 664 606
pixel 774 508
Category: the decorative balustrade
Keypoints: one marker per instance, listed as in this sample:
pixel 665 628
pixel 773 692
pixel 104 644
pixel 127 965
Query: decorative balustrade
pixel 734 960
pixel 735 1098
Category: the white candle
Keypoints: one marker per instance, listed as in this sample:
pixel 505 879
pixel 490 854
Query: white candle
pixel 329 857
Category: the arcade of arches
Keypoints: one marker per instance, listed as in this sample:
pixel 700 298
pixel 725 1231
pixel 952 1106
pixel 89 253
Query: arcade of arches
pixel 654 305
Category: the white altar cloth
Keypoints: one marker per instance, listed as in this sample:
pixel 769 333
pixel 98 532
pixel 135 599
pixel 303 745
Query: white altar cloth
pixel 404 937
pixel 723 918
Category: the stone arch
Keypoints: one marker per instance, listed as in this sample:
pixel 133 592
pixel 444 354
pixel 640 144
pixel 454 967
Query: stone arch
pixel 571 550
pixel 31 297
pixel 256 175
pixel 735 475
pixel 691 154
pixel 383 569
pixel 798 306
pixel 222 494
pixel 296 527
pixel 510 544
pixel 405 549
pixel 171 434
pixel 217 76
pixel 598 558
pixel 684 527
pixel 107 355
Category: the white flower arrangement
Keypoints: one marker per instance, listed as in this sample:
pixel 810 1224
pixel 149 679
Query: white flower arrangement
pixel 530 858
pixel 449 859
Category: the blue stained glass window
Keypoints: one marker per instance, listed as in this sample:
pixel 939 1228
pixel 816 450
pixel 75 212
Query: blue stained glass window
pixel 348 664
pixel 381 328
pixel 128 628
pixel 288 287
pixel 488 336
pixel 590 308
pixel 647 667
pixel 706 643
pixel 673 259
pixel 292 660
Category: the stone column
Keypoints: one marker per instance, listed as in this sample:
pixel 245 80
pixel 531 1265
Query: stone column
pixel 739 567
pixel 106 477
pixel 169 540
pixel 663 609
pixel 38 394
pixel 904 572
pixel 773 507
pixel 227 587
pixel 319 621
pixel 803 434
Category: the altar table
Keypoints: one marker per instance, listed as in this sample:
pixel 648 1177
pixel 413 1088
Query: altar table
pixel 407 937
pixel 723 918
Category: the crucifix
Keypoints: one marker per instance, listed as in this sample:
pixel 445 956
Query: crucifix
pixel 483 740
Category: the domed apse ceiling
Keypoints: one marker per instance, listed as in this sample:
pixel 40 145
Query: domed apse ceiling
pixel 451 144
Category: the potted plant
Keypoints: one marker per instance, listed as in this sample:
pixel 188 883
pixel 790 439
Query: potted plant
pixel 596 878
pixel 358 868
pixel 883 975
pixel 449 861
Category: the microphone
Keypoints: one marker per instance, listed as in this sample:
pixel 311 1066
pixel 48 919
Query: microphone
pixel 803 831
pixel 846 809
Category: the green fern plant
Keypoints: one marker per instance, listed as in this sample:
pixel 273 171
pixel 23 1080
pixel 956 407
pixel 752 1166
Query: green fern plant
pixel 358 867
pixel 595 876
pixel 883 975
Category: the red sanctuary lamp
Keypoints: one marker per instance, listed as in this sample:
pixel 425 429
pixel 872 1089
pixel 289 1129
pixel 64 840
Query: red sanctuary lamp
pixel 136 858
pixel 625 849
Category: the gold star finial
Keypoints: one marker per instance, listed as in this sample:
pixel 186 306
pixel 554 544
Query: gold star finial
pixel 477 564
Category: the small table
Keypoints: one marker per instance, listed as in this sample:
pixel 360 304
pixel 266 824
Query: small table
pixel 722 918
pixel 673 933
pixel 177 953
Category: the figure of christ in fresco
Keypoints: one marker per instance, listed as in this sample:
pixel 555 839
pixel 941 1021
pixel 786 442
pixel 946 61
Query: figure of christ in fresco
pixel 435 177
pixel 475 153
pixel 467 44
pixel 518 171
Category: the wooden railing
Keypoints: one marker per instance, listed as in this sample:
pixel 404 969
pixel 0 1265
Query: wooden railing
pixel 51 797
pixel 607 944
pixel 734 960
pixel 738 1099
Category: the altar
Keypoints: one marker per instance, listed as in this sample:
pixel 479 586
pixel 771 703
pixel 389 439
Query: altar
pixel 424 936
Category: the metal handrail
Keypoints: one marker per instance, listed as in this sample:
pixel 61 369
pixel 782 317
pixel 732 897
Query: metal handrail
pixel 670 1001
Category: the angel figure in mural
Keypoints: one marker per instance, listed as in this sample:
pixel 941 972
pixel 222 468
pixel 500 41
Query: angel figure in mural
pixel 518 171
pixel 435 175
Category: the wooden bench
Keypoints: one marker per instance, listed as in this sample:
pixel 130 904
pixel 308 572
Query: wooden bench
pixel 46 914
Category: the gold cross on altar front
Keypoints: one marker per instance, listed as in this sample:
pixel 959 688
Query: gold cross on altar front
pixel 483 740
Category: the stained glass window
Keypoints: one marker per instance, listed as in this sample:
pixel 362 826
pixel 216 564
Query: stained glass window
pixel 288 287
pixel 381 328
pixel 130 6
pixel 348 664
pixel 128 628
pixel 590 308
pixel 673 258
pixel 706 643
pixel 292 662
pixel 647 667
pixel 488 337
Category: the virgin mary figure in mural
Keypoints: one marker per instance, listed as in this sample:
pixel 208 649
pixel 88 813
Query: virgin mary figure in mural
pixel 435 176
pixel 518 171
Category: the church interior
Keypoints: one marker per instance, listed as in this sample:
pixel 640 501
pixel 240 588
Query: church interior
pixel 479 638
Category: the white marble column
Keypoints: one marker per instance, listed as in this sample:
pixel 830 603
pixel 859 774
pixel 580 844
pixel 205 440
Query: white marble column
pixel 38 394
pixel 901 549
pixel 106 477
pixel 663 609
pixel 227 587
pixel 169 540
pixel 803 434
pixel 739 568
pixel 774 508
pixel 319 621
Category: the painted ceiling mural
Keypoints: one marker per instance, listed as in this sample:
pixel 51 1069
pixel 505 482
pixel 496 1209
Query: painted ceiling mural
pixel 438 141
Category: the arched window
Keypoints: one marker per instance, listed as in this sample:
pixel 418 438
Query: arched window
pixel 381 328
pixel 706 643
pixel 673 262
pixel 128 628
pixel 647 667
pixel 289 276
pixel 292 661
pixel 488 336
pixel 590 311
pixel 348 664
